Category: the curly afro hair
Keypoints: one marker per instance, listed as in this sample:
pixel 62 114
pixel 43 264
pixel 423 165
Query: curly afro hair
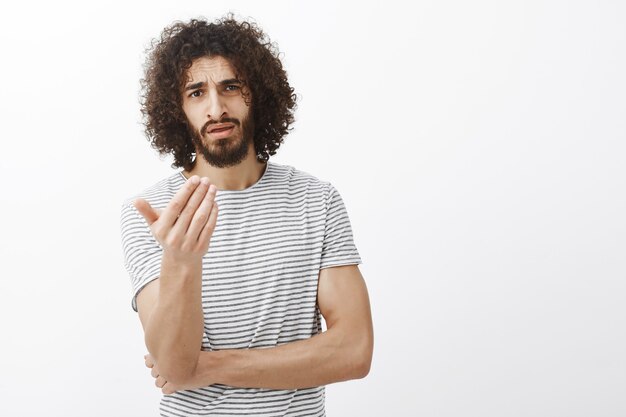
pixel 254 58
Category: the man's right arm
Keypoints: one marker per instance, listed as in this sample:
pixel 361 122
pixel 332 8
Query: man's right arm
pixel 170 310
pixel 170 307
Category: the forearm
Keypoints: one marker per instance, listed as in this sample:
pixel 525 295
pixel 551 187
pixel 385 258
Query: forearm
pixel 341 353
pixel 173 334
pixel 325 358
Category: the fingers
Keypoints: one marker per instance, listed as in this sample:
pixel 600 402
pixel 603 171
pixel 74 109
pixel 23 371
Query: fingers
pixel 202 215
pixel 209 227
pixel 148 360
pixel 187 214
pixel 168 388
pixel 182 225
pixel 145 209
pixel 160 381
pixel 179 201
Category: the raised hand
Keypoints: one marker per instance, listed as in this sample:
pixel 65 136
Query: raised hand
pixel 184 228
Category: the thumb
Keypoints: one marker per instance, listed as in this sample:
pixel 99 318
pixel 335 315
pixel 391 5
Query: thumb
pixel 145 209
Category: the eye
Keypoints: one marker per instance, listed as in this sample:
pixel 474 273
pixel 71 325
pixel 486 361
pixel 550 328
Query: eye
pixel 196 93
pixel 232 87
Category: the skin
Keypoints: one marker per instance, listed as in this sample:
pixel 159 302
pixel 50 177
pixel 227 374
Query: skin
pixel 170 307
pixel 210 103
pixel 184 229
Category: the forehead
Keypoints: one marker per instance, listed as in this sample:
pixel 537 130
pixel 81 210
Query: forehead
pixel 209 69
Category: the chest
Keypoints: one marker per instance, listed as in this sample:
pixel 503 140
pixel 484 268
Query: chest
pixel 260 273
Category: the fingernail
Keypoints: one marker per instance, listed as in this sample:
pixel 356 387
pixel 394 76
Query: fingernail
pixel 194 180
pixel 205 180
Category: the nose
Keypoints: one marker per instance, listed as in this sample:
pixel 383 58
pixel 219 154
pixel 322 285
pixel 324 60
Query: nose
pixel 216 108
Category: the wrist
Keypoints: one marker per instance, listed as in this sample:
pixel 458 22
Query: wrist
pixel 174 266
pixel 210 367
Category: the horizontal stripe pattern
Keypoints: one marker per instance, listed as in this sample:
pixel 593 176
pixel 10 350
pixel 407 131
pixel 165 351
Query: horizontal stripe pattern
pixel 259 278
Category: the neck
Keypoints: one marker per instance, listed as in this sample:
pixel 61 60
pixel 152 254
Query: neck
pixel 238 177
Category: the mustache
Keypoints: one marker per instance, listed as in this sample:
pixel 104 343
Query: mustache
pixel 232 120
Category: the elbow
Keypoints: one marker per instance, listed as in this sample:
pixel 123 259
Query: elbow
pixel 363 359
pixel 176 368
pixel 364 370
pixel 175 363
pixel 177 373
pixel 362 367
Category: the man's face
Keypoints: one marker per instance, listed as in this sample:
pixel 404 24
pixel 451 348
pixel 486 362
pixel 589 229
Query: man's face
pixel 216 111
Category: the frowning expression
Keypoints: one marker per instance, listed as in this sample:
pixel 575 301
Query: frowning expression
pixel 217 112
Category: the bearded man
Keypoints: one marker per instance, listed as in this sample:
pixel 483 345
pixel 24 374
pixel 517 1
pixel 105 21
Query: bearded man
pixel 234 259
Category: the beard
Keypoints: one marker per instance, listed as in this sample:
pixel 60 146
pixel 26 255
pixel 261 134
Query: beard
pixel 224 152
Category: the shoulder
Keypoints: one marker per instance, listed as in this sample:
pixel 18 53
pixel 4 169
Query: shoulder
pixel 159 193
pixel 295 178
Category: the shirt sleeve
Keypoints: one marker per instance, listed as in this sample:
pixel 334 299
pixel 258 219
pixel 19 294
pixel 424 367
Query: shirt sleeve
pixel 338 247
pixel 142 252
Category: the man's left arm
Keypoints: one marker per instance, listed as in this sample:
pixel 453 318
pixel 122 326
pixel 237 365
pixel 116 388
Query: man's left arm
pixel 342 352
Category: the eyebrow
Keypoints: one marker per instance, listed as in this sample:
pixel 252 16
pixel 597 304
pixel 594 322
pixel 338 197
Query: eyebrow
pixel 203 83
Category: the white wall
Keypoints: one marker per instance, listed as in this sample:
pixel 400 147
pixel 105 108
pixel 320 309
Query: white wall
pixel 479 148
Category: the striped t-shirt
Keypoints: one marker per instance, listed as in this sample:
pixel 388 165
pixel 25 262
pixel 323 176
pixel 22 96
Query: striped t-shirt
pixel 259 278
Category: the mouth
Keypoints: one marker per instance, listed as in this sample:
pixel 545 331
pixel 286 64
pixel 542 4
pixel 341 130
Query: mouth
pixel 221 131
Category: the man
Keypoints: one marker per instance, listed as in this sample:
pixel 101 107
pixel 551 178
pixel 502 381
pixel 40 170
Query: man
pixel 233 259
